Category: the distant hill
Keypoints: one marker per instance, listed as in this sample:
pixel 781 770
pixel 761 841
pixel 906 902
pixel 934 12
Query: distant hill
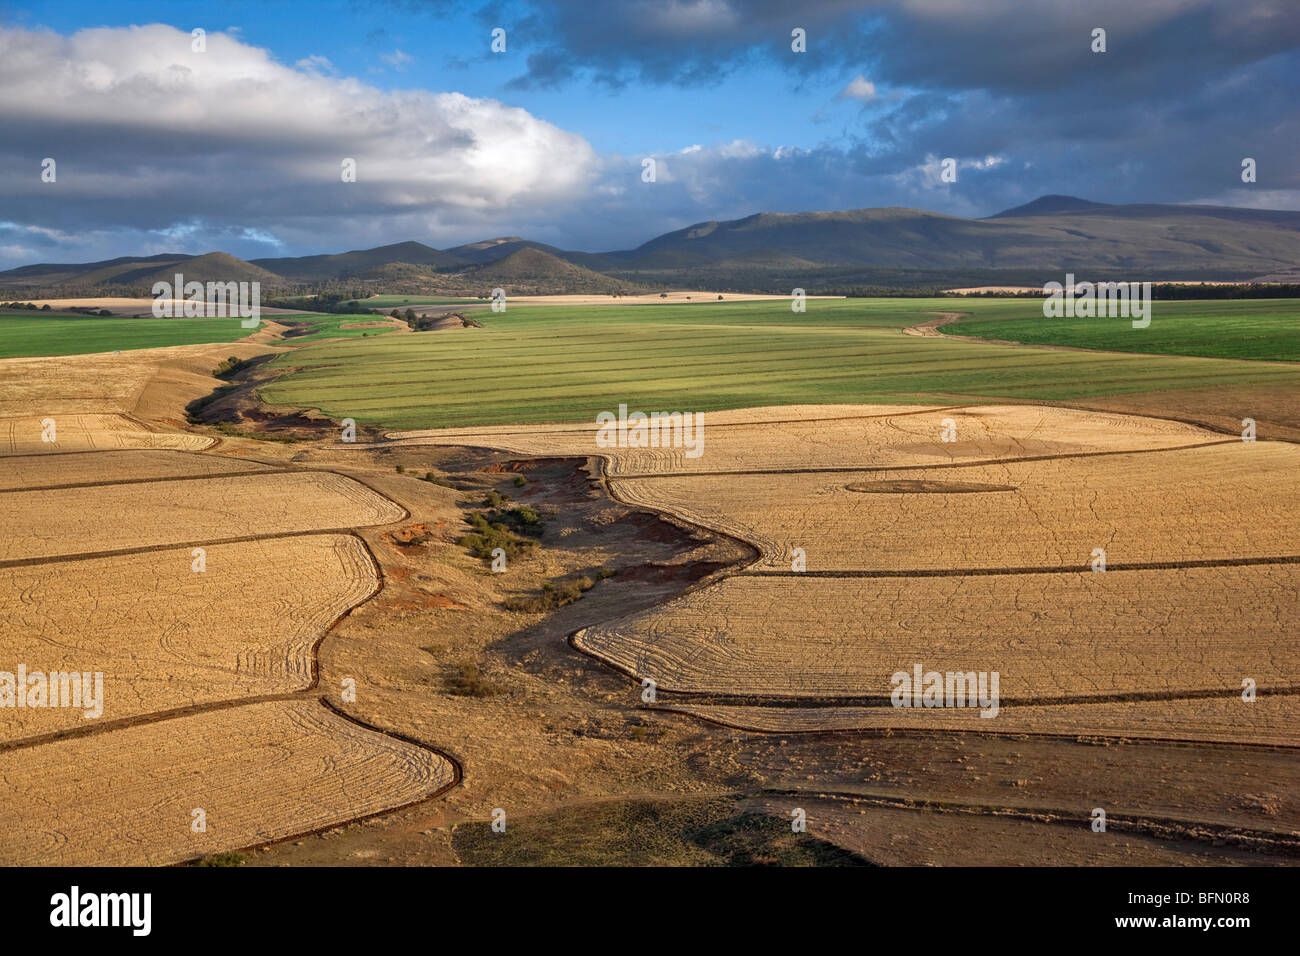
pixel 850 249
pixel 1052 234
pixel 532 271
pixel 490 250
pixel 94 273
pixel 1050 206
pixel 212 267
pixel 360 262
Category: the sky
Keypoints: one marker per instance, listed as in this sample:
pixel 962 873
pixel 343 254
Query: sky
pixel 161 143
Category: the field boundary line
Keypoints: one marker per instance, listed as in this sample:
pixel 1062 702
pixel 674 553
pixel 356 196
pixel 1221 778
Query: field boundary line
pixel 141 481
pixel 1163 828
pixel 927 733
pixel 1054 569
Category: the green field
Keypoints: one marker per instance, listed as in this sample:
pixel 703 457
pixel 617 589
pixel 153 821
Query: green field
pixel 36 333
pixel 567 363
pixel 1245 328
pixel 331 326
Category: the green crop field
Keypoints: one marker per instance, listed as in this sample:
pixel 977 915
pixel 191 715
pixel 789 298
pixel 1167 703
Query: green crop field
pixel 51 334
pixel 567 363
pixel 1242 328
pixel 331 326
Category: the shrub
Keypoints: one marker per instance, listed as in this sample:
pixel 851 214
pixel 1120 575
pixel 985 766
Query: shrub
pixel 520 481
pixel 488 535
pixel 555 593
pixel 468 681
pixel 227 367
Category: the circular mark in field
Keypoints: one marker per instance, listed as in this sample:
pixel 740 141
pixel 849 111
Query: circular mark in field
pixel 903 486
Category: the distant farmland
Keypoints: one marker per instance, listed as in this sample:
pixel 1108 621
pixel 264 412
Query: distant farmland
pixel 37 334
pixel 568 363
pixel 1247 329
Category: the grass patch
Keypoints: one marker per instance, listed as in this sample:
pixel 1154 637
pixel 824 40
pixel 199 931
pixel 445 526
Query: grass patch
pixel 223 859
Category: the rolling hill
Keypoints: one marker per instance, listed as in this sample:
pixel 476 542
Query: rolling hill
pixel 910 248
pixel 360 263
pixel 531 271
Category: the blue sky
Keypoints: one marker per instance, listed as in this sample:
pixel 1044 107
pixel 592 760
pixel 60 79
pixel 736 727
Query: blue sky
pixel 162 149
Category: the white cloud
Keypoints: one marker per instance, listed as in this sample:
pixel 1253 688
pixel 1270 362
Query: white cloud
pixel 397 59
pixel 859 88
pixel 317 64
pixel 156 132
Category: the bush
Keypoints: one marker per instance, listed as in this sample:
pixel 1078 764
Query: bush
pixel 487 536
pixel 555 593
pixel 520 481
pixel 227 367
pixel 468 681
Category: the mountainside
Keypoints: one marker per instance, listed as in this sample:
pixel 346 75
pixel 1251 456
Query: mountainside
pixel 490 250
pixel 1051 234
pixel 212 267
pixel 532 271
pixel 360 262
pixel 896 247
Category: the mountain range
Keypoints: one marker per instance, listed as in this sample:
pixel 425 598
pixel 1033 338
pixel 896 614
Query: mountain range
pixel 1029 244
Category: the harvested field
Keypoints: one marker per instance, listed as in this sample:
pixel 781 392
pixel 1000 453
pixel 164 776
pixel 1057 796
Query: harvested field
pixel 807 438
pixel 47 524
pixel 23 436
pixel 260 772
pixel 1223 502
pixel 902 486
pixel 165 636
pixel 905 837
pixel 1271 720
pixel 70 384
pixel 29 472
pixel 1051 637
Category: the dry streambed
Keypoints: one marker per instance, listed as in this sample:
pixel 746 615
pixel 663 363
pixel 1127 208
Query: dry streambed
pixel 968 554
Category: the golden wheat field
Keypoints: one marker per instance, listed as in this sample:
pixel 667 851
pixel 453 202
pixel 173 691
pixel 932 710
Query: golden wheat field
pixel 259 772
pixel 1213 503
pixel 45 524
pixel 807 438
pixel 74 433
pixel 1049 636
pixel 31 472
pixel 891 836
pixel 1269 720
pixel 165 635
